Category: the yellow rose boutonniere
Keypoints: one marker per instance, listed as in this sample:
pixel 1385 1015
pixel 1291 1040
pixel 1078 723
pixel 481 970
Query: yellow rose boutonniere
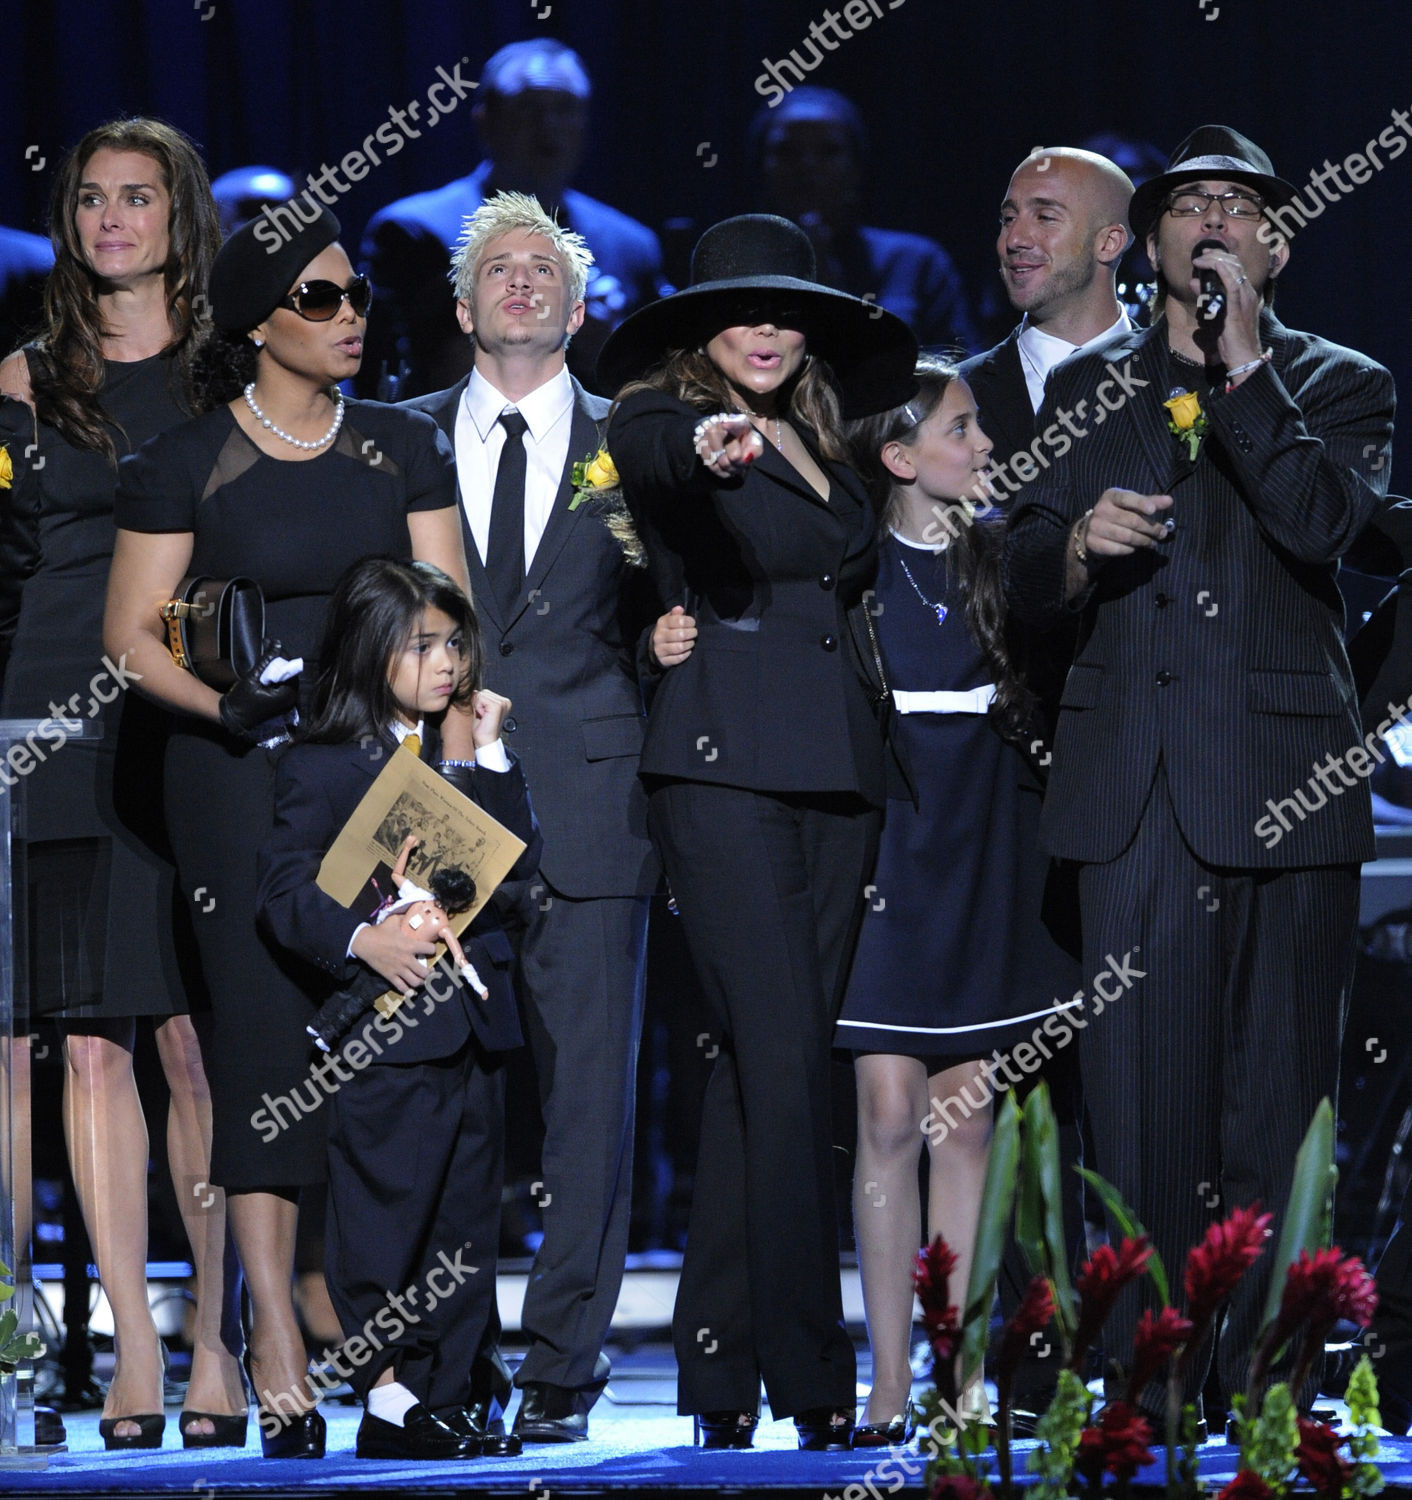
pixel 7 469
pixel 590 475
pixel 1187 422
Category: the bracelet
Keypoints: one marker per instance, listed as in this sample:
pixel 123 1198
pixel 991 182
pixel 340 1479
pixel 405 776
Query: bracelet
pixel 461 764
pixel 704 425
pixel 1246 368
pixel 1080 532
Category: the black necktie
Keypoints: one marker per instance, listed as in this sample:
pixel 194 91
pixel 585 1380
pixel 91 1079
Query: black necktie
pixel 505 545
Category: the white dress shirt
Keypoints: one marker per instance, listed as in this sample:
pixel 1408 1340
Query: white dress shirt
pixel 480 437
pixel 1040 352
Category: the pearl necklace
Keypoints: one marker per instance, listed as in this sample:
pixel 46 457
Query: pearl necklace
pixel 280 433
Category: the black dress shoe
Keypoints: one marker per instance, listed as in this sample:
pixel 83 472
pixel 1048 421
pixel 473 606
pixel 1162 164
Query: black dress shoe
pixel 726 1429
pixel 421 1437
pixel 551 1414
pixel 819 1432
pixel 48 1428
pixel 476 1421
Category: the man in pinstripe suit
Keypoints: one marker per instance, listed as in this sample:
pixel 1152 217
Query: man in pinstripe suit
pixel 1209 682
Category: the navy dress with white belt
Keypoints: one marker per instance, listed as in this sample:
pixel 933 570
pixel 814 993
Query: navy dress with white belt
pixel 953 960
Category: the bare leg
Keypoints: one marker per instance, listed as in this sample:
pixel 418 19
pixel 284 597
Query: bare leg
pixel 956 1177
pixel 264 1226
pixel 107 1140
pixel 215 1385
pixel 887 1217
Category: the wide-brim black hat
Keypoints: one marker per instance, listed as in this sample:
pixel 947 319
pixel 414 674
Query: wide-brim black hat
pixel 1210 151
pixel 257 265
pixel 760 268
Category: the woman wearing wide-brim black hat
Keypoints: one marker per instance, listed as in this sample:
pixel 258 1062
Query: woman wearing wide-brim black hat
pixel 764 764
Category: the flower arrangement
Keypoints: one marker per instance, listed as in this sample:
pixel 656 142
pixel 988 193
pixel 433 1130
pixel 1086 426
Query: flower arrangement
pixel 1078 1450
pixel 1188 423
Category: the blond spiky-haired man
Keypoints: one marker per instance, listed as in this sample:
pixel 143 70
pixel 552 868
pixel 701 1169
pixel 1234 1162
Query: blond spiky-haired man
pixel 560 614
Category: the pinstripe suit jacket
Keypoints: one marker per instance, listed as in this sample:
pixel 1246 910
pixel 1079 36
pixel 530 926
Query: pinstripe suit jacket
pixel 1219 652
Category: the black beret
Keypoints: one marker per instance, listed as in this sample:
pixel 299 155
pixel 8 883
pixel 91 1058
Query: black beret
pixel 258 264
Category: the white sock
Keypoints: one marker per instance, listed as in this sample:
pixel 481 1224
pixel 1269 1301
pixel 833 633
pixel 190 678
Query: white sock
pixel 391 1402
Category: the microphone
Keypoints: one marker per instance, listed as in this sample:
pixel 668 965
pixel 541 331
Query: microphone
pixel 1212 300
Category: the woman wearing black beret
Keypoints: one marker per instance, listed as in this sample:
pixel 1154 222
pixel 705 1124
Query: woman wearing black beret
pixel 287 483
pixel 764 762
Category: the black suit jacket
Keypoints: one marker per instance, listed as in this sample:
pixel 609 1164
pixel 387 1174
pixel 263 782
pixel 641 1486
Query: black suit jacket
pixel 566 660
pixel 1219 652
pixel 317 788
pixel 774 696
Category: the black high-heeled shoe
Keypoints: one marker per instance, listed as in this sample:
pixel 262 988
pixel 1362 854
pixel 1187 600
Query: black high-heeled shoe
pixel 230 1429
pixel 891 1434
pixel 820 1431
pixel 150 1425
pixel 303 1436
pixel 283 1436
pixel 725 1429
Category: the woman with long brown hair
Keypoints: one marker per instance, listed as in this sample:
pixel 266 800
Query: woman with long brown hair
pixel 764 763
pixel 135 232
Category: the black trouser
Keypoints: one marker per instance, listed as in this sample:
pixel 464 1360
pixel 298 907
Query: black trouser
pixel 769 889
pixel 415 1153
pixel 580 984
pixel 1201 1080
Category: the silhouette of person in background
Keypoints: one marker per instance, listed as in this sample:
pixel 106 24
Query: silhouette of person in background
pixel 531 114
pixel 810 158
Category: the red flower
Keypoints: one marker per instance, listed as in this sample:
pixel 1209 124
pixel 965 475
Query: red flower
pixel 1033 1314
pixel 1100 1281
pixel 959 1487
pixel 1156 1340
pixel 940 1317
pixel 1226 1252
pixel 1118 1444
pixel 1246 1486
pixel 1322 1288
pixel 1319 1463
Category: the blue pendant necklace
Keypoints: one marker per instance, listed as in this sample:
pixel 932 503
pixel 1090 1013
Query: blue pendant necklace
pixel 939 610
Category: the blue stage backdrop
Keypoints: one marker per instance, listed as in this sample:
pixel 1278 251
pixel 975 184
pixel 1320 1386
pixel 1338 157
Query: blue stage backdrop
pixel 953 95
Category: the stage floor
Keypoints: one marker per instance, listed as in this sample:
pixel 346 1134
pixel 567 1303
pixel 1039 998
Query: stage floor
pixel 638 1446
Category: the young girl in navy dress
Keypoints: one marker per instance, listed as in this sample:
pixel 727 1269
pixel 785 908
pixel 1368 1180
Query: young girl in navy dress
pixel 416 1123
pixel 953 963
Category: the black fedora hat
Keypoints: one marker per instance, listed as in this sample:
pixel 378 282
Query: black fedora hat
pixel 760 268
pixel 1210 151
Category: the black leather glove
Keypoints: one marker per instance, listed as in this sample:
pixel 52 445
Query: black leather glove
pixel 253 710
pixel 457 776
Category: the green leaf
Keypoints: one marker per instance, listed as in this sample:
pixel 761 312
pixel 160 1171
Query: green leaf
pixel 1128 1224
pixel 1041 1200
pixel 992 1235
pixel 1269 1441
pixel 1307 1215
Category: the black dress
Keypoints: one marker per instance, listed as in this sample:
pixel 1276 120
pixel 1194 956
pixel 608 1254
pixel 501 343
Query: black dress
pixel 953 960
pixel 293 526
pixel 100 879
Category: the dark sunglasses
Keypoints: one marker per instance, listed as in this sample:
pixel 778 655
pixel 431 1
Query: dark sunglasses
pixel 319 301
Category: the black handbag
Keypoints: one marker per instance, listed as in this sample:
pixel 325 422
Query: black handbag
pixel 215 628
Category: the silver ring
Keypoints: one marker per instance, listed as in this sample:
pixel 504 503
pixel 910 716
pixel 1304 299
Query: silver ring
pixel 1243 279
pixel 720 453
